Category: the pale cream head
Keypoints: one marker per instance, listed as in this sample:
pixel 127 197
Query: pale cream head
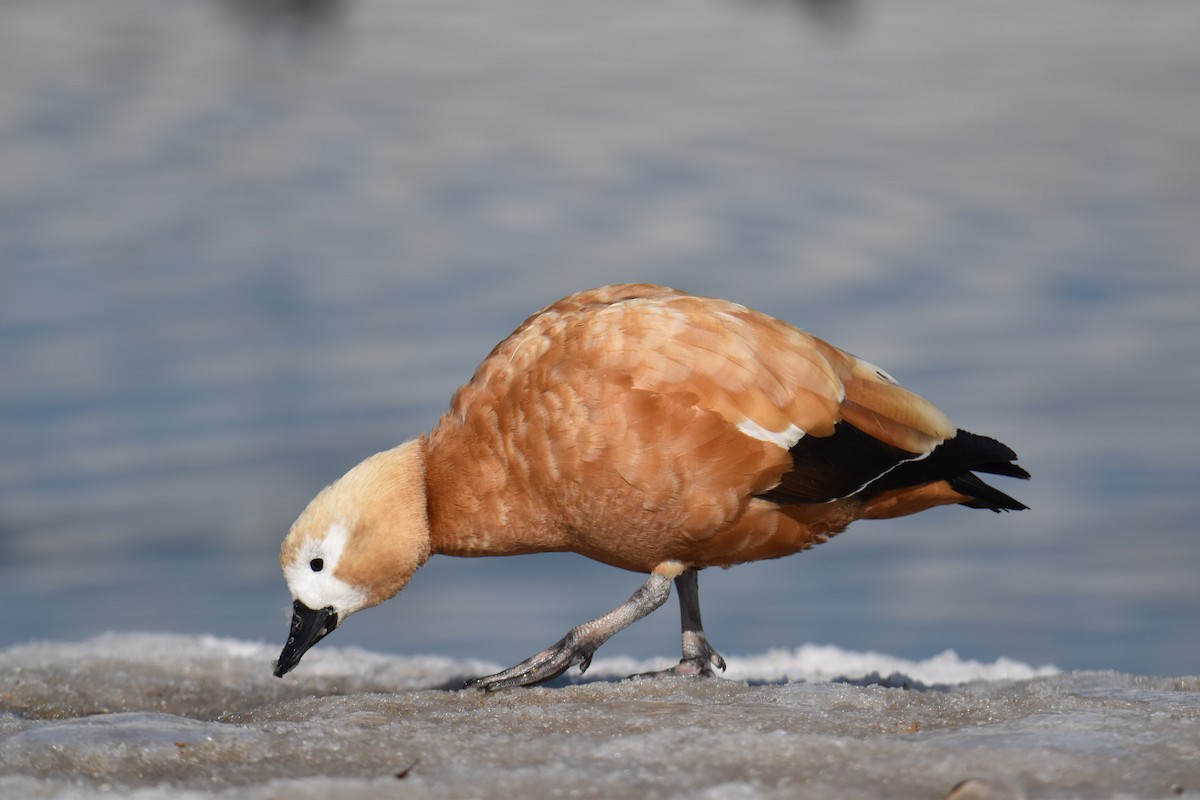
pixel 361 539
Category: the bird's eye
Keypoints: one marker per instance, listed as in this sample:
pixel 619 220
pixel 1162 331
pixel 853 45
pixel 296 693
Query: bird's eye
pixel 317 564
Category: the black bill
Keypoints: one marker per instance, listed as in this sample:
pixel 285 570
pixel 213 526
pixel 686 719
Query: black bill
pixel 308 628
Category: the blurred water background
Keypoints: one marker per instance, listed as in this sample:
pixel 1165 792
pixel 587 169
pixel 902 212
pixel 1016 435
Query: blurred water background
pixel 245 244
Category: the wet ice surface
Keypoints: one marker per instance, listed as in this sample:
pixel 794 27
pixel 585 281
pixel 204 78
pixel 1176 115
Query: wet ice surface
pixel 148 716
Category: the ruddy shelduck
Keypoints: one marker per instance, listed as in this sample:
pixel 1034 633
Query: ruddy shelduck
pixel 648 429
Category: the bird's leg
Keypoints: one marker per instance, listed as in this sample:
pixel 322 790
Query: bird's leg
pixel 698 654
pixel 699 658
pixel 581 641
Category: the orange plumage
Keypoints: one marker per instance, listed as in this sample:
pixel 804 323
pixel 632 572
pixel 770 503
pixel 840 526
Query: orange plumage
pixel 651 430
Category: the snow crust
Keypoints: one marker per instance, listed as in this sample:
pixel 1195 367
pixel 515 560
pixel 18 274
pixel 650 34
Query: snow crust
pixel 155 716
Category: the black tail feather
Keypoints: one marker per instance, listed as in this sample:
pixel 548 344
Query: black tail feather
pixel 1003 468
pixel 851 461
pixel 956 461
pixel 983 495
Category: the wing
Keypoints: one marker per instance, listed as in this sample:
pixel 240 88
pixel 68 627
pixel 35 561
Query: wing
pixel 843 423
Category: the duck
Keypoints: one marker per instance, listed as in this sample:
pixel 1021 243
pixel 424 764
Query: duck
pixel 649 429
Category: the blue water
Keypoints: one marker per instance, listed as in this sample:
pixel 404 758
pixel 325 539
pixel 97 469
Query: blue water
pixel 243 247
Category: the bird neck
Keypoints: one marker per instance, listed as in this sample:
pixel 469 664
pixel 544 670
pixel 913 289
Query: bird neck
pixel 479 503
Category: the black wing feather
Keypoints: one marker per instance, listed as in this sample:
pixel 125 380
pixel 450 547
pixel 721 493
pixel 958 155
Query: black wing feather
pixel 851 461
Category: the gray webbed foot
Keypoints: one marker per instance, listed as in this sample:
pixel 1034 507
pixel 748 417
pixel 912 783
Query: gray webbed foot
pixel 701 665
pixel 543 666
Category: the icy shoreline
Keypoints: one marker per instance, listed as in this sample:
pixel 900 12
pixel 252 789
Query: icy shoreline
pixel 149 716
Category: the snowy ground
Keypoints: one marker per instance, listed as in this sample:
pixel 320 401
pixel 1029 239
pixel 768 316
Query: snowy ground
pixel 148 716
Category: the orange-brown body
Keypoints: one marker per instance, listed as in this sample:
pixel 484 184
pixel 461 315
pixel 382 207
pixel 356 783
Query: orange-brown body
pixel 607 425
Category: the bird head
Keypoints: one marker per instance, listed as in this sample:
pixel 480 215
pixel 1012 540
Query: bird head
pixel 357 544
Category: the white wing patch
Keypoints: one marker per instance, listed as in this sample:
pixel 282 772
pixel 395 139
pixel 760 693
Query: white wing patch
pixel 785 439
